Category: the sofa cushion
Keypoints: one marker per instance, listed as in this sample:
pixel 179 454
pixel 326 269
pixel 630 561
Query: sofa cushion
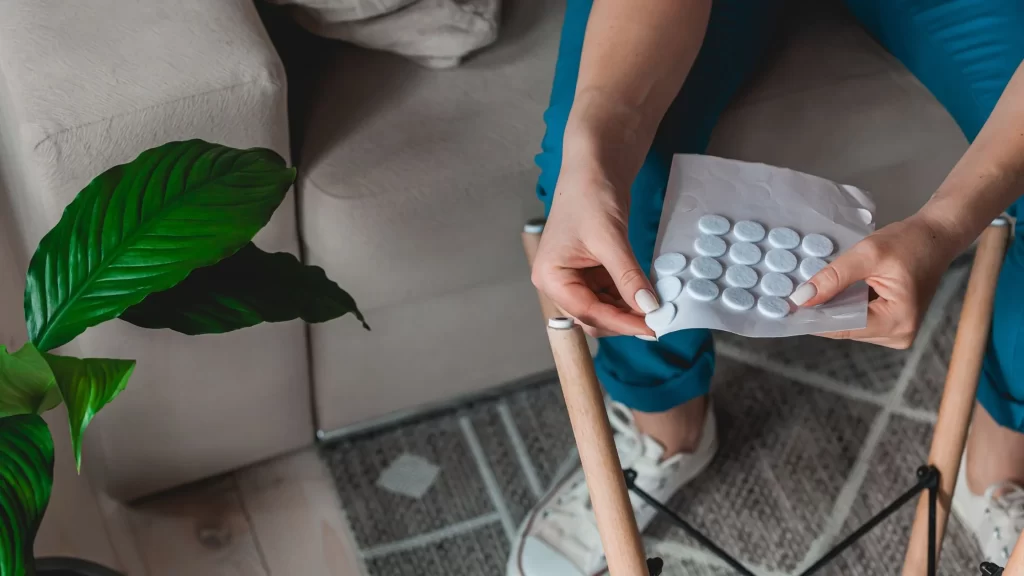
pixel 415 183
pixel 435 33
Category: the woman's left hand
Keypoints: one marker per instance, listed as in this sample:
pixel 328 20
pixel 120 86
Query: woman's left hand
pixel 903 264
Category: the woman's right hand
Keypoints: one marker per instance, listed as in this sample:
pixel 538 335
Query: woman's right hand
pixel 585 264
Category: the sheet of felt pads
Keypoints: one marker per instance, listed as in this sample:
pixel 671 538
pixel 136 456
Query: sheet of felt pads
pixel 724 220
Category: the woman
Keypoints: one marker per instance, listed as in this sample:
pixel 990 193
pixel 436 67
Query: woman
pixel 637 81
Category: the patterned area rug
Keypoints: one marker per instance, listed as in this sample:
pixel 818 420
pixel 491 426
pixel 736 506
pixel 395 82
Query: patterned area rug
pixel 816 436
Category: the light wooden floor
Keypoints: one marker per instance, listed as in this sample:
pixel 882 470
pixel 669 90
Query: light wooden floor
pixel 280 518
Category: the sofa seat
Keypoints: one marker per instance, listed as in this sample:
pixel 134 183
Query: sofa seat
pixel 414 186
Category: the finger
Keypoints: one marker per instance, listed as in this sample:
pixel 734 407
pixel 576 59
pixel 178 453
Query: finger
pixel 566 288
pixel 857 335
pixel 880 324
pixel 887 342
pixel 618 303
pixel 895 343
pixel 598 279
pixel 852 266
pixel 630 280
pixel 598 333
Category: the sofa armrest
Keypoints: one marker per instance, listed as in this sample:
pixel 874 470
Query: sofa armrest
pixel 90 84
pixel 87 85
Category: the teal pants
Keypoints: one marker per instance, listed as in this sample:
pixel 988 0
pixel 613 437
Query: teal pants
pixel 964 51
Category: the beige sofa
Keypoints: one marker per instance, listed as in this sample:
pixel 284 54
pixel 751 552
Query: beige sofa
pixel 413 186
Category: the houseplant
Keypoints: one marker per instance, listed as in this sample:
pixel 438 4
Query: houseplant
pixel 162 242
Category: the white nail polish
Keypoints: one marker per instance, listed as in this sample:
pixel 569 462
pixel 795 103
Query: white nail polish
pixel 804 293
pixel 646 301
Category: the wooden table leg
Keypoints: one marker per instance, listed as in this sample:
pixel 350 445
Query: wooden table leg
pixel 585 403
pixel 950 433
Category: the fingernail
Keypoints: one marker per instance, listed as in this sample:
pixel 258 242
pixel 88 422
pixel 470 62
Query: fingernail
pixel 804 293
pixel 646 301
pixel 647 338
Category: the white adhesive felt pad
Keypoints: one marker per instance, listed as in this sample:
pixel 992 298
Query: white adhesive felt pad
pixel 745 253
pixel 773 306
pixel 810 266
pixel 785 238
pixel 662 317
pixel 779 260
pixel 704 267
pixel 737 298
pixel 701 289
pixel 741 276
pixel 713 224
pixel 749 231
pixel 775 284
pixel 708 245
pixel 669 264
pixel 669 288
pixel 817 245
pixel 561 323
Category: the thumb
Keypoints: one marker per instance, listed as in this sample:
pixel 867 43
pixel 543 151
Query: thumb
pixel 630 280
pixel 852 266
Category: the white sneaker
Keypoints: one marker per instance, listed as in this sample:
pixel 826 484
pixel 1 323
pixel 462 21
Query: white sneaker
pixel 559 536
pixel 996 517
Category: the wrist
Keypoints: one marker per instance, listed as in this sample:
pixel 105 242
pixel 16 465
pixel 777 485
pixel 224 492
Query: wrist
pixel 976 191
pixel 954 225
pixel 968 201
pixel 944 241
pixel 605 137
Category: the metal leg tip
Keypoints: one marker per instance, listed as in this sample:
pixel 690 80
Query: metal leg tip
pixel 987 569
pixel 560 323
pixel 534 226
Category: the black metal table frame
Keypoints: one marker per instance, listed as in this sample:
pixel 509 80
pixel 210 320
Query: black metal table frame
pixel 927 479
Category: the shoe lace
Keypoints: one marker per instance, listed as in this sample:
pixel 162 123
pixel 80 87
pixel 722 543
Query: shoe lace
pixel 629 443
pixel 1005 508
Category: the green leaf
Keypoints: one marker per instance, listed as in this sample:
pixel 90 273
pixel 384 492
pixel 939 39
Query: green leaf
pixel 142 227
pixel 245 289
pixel 26 383
pixel 26 477
pixel 87 384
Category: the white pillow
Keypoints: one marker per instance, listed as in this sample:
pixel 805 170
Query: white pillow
pixel 435 33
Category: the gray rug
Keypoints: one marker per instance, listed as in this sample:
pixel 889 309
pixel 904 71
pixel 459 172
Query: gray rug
pixel 816 436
